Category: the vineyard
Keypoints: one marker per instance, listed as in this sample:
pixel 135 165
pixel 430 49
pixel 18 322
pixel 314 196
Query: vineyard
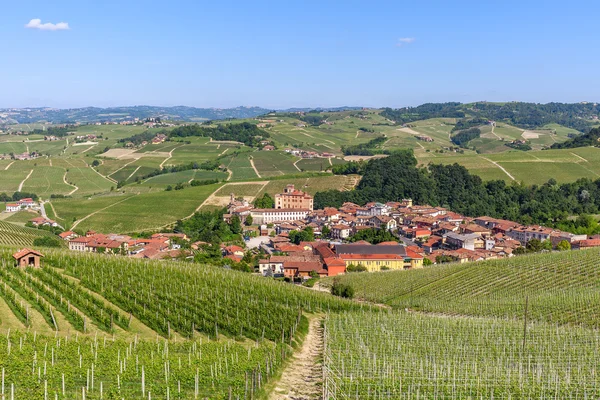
pixel 562 288
pixel 399 355
pixel 219 333
pixel 15 235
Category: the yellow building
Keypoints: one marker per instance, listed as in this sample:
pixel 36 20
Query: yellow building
pixel 378 257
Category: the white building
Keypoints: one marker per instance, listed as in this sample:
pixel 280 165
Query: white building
pixel 262 216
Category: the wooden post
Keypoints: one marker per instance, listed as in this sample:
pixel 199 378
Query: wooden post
pixel 525 323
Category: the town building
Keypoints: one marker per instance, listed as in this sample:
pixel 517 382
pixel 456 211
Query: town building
pixel 267 216
pixel 379 257
pixel 293 199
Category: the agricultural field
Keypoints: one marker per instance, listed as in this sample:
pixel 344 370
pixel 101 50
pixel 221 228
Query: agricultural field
pixel 408 356
pixel 128 213
pixel 531 167
pixel 110 326
pixel 274 163
pixel 554 286
pixel 15 235
pixel 240 166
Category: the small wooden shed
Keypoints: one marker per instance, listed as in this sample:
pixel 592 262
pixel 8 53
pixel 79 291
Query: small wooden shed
pixel 28 258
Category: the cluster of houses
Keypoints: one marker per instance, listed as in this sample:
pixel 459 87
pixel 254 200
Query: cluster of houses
pixel 84 138
pixel 158 246
pixel 27 156
pixel 424 232
pixel 23 204
pixel 309 154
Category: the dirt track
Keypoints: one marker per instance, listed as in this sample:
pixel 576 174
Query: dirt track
pixel 303 377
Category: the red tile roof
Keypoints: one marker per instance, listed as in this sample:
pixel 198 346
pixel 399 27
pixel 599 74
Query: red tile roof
pixel 22 253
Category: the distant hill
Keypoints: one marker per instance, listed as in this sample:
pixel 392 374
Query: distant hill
pixel 592 138
pixel 577 116
pixel 95 114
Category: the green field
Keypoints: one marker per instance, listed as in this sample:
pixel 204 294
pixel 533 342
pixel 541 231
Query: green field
pixel 132 212
pixel 274 163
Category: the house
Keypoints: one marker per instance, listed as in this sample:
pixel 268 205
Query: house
pixel 469 241
pixel 557 237
pixel 525 233
pixel 28 258
pixel 269 147
pixel 233 251
pixel 13 207
pixel 68 235
pixel 41 221
pixel 586 244
pixel 340 231
pixel 378 257
pixel 383 222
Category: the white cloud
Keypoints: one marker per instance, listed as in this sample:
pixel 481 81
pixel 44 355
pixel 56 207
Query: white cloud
pixel 36 23
pixel 404 41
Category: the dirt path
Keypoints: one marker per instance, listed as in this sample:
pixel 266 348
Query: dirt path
pixel 297 167
pixel 302 379
pixel 134 171
pixel 8 166
pixel 254 167
pixel 23 181
pixel 576 155
pixel 67 183
pixel 168 158
pixel 501 167
pixel 494 133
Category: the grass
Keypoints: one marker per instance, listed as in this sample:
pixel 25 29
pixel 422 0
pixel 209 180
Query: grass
pixel 240 166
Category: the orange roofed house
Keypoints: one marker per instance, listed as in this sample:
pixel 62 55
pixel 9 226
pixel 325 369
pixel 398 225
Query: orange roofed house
pixel 28 258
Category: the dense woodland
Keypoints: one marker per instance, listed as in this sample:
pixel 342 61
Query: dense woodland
pixel 424 111
pixel 463 138
pixel 244 132
pixel 524 115
pixel 398 177
pixel 370 148
pixel 592 138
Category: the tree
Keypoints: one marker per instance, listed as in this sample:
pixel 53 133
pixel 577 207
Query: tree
pixel 235 225
pixel 266 201
pixel 305 235
pixel 534 246
pixel 47 241
pixel 427 261
pixel 249 220
pixel 563 245
pixel 520 250
pixel 342 289
pixel 325 232
pixel 95 163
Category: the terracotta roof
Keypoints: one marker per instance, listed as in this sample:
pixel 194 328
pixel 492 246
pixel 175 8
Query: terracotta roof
pixel 26 251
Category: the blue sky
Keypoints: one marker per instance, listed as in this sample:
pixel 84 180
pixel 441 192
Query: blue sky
pixel 306 53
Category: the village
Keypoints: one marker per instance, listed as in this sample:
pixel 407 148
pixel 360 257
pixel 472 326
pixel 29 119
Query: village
pixel 419 235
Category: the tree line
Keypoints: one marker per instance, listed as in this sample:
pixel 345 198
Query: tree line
pixel 397 177
pixel 244 132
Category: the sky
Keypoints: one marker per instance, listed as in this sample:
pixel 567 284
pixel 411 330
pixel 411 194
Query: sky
pixel 280 54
